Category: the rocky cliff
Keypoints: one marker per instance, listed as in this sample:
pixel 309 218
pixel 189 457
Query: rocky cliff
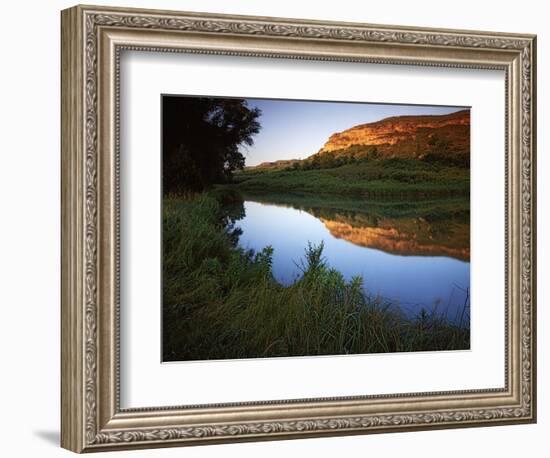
pixel 406 136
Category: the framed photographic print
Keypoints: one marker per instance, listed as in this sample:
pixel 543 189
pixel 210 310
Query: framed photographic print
pixel 277 228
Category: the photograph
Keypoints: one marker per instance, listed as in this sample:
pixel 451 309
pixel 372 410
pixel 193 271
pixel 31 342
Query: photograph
pixel 307 228
pixel 287 226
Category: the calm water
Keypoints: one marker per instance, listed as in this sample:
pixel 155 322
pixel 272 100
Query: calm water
pixel 414 262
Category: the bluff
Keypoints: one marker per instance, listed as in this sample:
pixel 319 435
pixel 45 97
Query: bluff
pixel 412 136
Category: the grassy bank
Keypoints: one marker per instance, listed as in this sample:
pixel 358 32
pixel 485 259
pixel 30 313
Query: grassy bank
pixel 220 301
pixel 376 178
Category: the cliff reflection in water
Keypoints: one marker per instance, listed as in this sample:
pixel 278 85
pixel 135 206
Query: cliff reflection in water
pixel 415 254
pixel 406 236
pixel 429 228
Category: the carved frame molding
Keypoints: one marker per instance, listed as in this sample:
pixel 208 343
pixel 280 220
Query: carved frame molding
pixel 92 39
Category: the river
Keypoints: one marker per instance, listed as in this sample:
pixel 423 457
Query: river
pixel 413 255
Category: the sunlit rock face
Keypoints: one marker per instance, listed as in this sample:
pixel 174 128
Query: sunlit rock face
pixel 406 237
pixel 407 136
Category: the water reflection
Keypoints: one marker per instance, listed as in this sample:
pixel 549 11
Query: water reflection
pixel 405 237
pixel 415 254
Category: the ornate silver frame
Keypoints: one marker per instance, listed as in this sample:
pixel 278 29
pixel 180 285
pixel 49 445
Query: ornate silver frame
pixel 92 38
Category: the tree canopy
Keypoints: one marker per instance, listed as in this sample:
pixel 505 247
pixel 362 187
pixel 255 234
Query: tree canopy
pixel 201 140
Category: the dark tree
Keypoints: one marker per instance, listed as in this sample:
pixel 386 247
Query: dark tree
pixel 201 140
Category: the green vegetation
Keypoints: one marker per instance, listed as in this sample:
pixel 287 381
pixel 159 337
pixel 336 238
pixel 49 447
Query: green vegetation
pixel 337 158
pixel 372 178
pixel 221 301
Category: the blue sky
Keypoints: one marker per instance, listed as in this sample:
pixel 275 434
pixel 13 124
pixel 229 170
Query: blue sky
pixel 298 129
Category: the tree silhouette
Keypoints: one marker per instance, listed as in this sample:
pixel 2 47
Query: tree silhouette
pixel 201 140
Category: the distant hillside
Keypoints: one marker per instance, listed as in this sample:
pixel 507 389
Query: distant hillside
pixel 406 137
pixel 275 165
pixel 444 138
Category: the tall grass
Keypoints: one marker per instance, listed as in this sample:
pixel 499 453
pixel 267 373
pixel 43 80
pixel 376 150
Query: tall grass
pixel 220 301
